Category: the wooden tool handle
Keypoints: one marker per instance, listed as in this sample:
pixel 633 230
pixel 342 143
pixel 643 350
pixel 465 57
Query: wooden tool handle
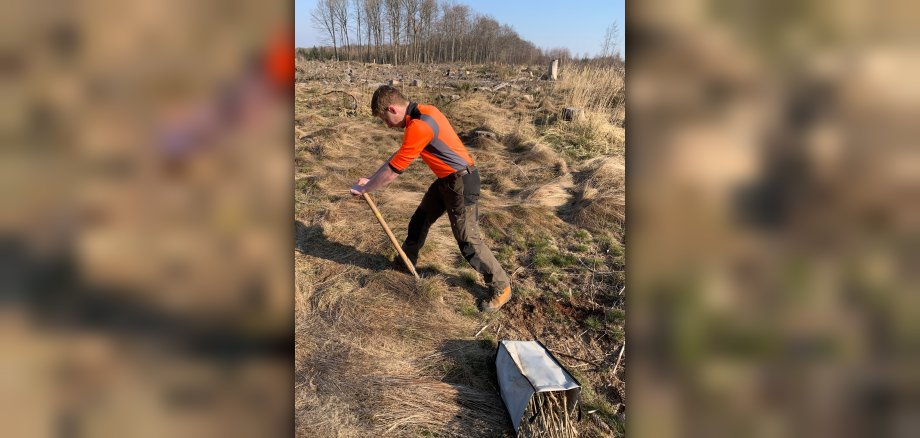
pixel 393 240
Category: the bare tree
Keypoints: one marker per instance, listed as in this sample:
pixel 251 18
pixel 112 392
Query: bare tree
pixel 428 31
pixel 484 33
pixel 561 53
pixel 394 19
pixel 374 15
pixel 610 39
pixel 357 6
pixel 446 25
pixel 324 18
pixel 456 19
pixel 411 8
pixel 340 10
pixel 427 15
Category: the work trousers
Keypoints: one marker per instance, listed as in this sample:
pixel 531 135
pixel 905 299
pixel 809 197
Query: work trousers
pixel 458 195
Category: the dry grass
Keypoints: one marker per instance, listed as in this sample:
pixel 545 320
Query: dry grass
pixel 379 353
pixel 475 111
pixel 420 406
pixel 592 88
pixel 548 415
pixel 599 92
pixel 350 335
pixel 555 193
pixel 601 199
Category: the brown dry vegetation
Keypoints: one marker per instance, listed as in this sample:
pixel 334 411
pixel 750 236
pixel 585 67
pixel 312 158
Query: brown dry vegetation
pixel 378 352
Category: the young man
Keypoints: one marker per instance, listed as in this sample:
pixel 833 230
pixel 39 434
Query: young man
pixel 456 191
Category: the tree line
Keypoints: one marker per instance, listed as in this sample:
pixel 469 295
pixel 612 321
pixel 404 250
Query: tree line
pixel 424 31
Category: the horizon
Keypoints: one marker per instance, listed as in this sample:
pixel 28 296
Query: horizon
pixel 584 23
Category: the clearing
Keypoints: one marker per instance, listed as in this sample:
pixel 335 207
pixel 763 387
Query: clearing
pixel 378 352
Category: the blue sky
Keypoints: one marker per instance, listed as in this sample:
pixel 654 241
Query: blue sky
pixel 577 25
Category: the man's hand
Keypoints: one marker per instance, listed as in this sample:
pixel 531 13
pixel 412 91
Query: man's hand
pixel 358 188
pixel 381 178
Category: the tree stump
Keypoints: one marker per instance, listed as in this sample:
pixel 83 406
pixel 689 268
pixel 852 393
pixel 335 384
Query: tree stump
pixel 553 71
pixel 569 114
pixel 486 134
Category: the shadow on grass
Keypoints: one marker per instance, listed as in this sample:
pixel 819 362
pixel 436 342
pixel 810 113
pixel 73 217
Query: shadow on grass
pixel 310 240
pixel 471 370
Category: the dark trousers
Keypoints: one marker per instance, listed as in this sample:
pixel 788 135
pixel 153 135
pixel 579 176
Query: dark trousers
pixel 459 197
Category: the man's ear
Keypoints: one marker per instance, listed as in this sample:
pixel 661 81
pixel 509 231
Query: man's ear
pixel 391 109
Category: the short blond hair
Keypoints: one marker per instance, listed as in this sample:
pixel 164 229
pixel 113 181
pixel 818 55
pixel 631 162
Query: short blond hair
pixel 385 96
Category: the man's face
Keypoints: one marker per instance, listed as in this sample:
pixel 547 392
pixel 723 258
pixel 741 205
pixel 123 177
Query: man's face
pixel 393 117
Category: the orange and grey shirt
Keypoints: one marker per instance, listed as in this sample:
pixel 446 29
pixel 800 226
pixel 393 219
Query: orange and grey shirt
pixel 429 134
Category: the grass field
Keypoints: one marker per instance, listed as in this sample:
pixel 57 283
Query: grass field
pixel 378 352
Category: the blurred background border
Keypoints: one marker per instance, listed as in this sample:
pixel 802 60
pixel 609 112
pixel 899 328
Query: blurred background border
pixel 145 232
pixel 772 167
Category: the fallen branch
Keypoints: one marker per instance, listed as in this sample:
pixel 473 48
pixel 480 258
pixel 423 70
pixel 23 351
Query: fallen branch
pixel 300 132
pixel 519 269
pixel 617 364
pixel 597 272
pixel 500 86
pixel 347 94
pixel 453 100
pixel 575 357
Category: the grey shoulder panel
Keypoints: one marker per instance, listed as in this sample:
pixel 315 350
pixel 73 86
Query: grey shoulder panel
pixel 430 121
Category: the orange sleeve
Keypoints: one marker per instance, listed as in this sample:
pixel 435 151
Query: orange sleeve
pixel 418 135
pixel 278 64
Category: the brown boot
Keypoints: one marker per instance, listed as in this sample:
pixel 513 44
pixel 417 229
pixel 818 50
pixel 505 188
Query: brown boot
pixel 497 301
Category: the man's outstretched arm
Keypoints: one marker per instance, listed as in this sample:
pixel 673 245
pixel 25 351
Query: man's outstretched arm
pixel 383 176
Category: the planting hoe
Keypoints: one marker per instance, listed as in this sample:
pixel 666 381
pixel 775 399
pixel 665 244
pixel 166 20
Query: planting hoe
pixel 383 223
